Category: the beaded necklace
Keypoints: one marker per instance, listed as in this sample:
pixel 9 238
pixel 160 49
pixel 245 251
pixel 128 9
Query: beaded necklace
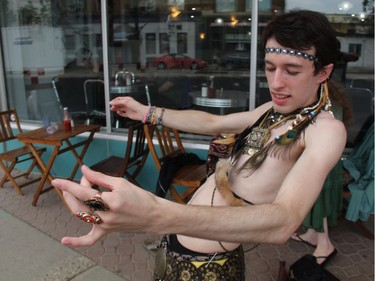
pixel 254 140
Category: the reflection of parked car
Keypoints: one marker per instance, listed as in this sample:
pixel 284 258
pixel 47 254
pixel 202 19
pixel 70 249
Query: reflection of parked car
pixel 179 61
pixel 236 59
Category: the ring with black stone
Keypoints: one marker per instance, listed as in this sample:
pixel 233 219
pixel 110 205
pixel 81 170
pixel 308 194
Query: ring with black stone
pixel 96 203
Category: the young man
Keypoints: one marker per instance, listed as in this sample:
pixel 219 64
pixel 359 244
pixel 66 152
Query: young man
pixel 282 156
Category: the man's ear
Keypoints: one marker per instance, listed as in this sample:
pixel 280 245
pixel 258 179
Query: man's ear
pixel 325 73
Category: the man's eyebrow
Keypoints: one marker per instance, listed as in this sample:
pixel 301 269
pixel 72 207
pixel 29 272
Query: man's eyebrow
pixel 286 64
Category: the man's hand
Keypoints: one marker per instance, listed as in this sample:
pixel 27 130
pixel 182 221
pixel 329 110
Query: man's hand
pixel 128 107
pixel 130 207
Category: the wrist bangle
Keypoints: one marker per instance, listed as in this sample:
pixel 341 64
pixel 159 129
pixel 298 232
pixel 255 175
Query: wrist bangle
pixel 146 115
pixel 160 120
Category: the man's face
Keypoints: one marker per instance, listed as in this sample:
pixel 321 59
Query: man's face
pixel 291 79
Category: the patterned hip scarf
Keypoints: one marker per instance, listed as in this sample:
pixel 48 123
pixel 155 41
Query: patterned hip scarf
pixel 186 265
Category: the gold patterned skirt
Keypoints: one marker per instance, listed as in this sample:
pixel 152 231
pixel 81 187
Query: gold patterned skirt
pixel 175 266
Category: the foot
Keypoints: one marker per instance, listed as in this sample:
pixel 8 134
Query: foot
pixel 298 238
pixel 323 260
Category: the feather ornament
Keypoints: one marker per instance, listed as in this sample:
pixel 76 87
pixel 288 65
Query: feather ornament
pixel 253 140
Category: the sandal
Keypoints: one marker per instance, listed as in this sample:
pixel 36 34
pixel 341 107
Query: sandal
pixel 327 258
pixel 300 239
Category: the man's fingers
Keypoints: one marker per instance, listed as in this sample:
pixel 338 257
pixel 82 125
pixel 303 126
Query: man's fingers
pixel 97 178
pixel 87 240
pixel 84 191
pixel 96 233
pixel 85 182
pixel 74 204
pixel 79 191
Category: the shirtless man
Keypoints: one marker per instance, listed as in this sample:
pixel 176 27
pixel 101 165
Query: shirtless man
pixel 282 156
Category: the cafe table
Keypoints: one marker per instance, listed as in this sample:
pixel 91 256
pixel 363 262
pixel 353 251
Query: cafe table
pixel 223 99
pixel 61 141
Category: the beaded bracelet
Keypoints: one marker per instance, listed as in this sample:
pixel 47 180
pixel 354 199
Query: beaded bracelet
pixel 160 120
pixel 153 116
pixel 150 114
pixel 144 121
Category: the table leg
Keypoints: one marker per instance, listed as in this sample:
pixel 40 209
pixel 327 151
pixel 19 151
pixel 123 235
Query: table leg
pixel 46 174
pixel 80 156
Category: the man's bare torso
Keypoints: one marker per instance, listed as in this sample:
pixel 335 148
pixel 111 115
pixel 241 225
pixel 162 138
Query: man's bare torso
pixel 260 187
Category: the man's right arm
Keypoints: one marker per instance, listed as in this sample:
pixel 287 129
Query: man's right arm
pixel 193 121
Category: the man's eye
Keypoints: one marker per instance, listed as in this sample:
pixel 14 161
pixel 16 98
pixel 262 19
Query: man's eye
pixel 291 72
pixel 270 69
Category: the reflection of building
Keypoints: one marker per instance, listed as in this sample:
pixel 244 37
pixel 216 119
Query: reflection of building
pixel 157 39
pixel 20 43
pixel 207 35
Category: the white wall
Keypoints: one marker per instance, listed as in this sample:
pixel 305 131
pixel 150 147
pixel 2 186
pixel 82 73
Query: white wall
pixel 33 47
pixel 366 60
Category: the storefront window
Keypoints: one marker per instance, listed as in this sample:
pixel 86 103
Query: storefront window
pixel 53 41
pixel 53 53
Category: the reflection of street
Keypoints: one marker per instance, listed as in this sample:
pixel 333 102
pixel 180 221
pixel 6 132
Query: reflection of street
pixel 182 82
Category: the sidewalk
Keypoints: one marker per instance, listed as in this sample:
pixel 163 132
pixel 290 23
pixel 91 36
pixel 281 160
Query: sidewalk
pixel 30 248
pixel 29 254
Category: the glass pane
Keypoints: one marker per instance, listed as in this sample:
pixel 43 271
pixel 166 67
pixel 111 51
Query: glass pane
pixel 174 47
pixel 171 46
pixel 51 48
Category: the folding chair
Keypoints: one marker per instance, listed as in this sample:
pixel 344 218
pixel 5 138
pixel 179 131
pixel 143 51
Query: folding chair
pixel 191 176
pixel 134 159
pixel 10 158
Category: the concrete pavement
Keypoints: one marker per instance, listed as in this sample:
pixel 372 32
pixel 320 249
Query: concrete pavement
pixel 29 254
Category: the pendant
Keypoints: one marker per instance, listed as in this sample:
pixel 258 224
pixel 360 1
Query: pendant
pixel 256 139
pixel 251 151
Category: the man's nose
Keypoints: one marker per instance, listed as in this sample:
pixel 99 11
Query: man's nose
pixel 277 80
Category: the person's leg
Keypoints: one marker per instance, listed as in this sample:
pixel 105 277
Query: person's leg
pixel 325 250
pixel 310 237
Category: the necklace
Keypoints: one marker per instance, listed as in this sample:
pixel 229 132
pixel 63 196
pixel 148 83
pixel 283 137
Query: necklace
pixel 260 135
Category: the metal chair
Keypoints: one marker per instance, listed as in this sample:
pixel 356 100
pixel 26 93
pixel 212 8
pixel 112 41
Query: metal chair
pixel 10 158
pixel 191 176
pixel 66 97
pixel 94 101
pixel 87 108
pixel 134 159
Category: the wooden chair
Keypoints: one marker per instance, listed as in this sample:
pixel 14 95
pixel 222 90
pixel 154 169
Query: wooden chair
pixel 134 159
pixel 10 158
pixel 191 176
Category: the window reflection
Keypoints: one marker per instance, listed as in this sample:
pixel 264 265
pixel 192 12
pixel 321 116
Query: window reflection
pixel 62 40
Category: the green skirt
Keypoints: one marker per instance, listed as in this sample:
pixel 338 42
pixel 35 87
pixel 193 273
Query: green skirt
pixel 329 202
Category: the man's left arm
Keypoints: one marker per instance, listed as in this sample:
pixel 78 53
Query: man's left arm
pixel 271 223
pixel 324 144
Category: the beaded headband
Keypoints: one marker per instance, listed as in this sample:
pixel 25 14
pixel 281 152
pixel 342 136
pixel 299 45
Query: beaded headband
pixel 292 53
